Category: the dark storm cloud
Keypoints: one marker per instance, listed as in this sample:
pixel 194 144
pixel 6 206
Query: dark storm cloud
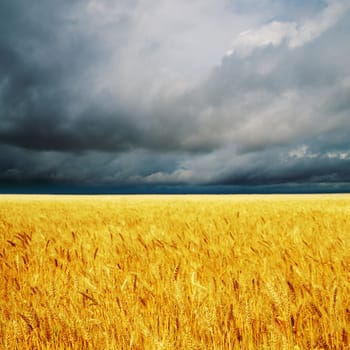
pixel 48 96
pixel 127 93
pixel 46 103
pixel 19 166
pixel 299 171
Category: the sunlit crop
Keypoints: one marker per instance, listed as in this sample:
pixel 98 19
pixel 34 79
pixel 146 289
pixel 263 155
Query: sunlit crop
pixel 181 272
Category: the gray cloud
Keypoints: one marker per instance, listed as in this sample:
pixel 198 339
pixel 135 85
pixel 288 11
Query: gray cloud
pixel 137 92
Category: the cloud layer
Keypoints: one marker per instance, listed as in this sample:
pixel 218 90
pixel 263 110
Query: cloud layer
pixel 163 93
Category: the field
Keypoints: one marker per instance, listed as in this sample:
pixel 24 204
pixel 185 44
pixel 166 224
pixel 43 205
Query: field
pixel 175 272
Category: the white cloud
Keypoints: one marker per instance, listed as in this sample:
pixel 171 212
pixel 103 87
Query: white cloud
pixel 294 34
pixel 338 155
pixel 304 152
pixel 271 34
pixel 179 176
pixel 301 152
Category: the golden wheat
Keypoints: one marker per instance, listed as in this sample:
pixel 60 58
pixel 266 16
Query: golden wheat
pixel 175 272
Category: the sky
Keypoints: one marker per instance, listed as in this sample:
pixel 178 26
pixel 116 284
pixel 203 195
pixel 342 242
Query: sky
pixel 163 96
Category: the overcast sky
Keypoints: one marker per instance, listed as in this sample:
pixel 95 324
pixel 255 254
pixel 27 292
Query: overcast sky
pixel 180 95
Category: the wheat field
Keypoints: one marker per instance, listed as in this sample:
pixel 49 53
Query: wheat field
pixel 175 272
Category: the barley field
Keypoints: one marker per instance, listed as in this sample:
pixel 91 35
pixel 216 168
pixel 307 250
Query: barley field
pixel 175 272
